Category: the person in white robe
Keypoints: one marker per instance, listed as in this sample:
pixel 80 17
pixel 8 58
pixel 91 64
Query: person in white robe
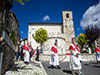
pixel 75 64
pixel 26 54
pixel 97 51
pixel 54 60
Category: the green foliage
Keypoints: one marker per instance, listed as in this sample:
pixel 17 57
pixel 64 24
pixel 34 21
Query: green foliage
pixel 13 38
pixel 81 39
pixel 40 36
pixel 19 1
pixel 92 33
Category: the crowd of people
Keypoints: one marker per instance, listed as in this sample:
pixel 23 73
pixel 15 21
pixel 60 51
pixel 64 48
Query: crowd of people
pixel 26 53
pixel 75 59
pixel 75 62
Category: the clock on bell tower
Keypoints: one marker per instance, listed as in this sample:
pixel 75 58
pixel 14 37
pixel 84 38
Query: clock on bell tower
pixel 67 22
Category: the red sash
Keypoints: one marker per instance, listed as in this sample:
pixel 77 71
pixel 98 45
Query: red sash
pixel 34 52
pixel 73 47
pixel 26 48
pixel 97 49
pixel 54 49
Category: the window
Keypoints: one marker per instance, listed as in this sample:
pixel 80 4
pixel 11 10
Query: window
pixel 32 35
pixel 32 28
pixel 67 15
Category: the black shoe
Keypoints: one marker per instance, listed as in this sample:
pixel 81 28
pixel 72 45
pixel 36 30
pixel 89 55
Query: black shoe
pixel 51 66
pixel 58 67
pixel 26 63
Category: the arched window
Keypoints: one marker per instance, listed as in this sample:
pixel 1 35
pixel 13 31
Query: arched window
pixel 67 15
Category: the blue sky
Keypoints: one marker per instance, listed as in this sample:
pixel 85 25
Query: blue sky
pixel 36 10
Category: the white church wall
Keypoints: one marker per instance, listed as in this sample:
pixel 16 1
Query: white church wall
pixel 52 30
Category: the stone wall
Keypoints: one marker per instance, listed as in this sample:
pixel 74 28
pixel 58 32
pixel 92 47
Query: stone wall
pixel 9 54
pixel 62 46
pixel 66 58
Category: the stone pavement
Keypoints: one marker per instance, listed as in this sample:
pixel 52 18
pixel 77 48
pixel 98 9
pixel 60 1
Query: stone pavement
pixel 19 68
pixel 89 68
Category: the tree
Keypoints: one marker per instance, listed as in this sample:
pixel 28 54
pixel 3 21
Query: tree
pixel 81 40
pixel 40 36
pixel 20 1
pixel 92 33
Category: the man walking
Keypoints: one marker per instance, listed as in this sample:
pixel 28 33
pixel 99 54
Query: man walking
pixel 37 54
pixel 26 54
pixel 54 61
pixel 97 51
pixel 75 64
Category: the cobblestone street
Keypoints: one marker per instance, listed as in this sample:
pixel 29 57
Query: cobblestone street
pixel 19 68
pixel 89 68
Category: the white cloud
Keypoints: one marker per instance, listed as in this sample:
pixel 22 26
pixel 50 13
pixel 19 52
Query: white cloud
pixel 91 16
pixel 21 32
pixel 46 18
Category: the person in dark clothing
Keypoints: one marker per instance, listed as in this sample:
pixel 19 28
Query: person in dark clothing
pixel 31 53
pixel 1 35
pixel 37 54
pixel 31 49
pixel 1 38
pixel 22 54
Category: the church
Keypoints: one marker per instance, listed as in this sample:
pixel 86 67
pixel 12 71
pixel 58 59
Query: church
pixel 63 32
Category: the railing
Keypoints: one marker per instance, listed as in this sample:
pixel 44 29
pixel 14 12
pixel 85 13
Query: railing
pixel 46 57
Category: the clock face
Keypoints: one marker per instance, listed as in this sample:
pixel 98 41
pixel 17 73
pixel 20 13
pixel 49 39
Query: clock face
pixel 68 23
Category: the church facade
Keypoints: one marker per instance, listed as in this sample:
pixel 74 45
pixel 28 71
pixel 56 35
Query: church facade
pixel 63 32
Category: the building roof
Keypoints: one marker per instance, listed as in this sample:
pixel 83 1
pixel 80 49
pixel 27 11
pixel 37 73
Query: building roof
pixel 35 24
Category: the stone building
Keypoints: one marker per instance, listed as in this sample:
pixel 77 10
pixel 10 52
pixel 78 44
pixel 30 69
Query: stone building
pixel 13 24
pixel 9 48
pixel 63 32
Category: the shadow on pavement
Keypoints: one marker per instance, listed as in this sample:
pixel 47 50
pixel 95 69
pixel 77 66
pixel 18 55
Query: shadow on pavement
pixel 93 63
pixel 97 66
pixel 86 64
pixel 67 71
pixel 16 68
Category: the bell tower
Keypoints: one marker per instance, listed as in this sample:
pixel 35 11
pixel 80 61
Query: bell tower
pixel 68 26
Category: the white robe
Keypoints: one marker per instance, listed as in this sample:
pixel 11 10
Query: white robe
pixel 75 63
pixel 98 56
pixel 54 60
pixel 26 56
